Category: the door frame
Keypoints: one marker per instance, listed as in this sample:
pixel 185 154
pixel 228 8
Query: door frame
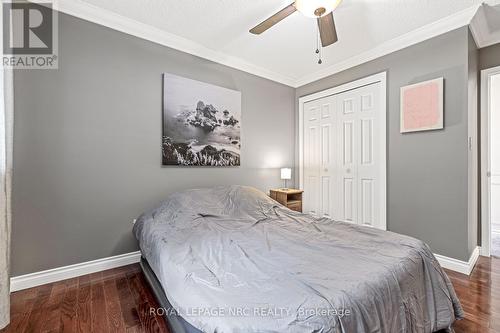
pixel 376 78
pixel 486 75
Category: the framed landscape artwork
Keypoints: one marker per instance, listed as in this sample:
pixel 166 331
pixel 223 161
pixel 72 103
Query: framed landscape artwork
pixel 422 106
pixel 201 123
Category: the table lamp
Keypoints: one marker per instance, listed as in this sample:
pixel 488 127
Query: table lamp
pixel 286 174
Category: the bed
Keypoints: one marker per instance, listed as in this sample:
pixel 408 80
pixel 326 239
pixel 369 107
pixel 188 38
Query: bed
pixel 230 259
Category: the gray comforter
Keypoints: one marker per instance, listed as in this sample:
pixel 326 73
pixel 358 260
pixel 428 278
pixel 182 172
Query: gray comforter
pixel 230 259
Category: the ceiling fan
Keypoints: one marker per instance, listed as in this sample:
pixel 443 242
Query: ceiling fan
pixel 321 10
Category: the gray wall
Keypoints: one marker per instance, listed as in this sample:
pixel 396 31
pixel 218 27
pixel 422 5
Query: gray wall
pixel 426 171
pixel 489 56
pixel 87 143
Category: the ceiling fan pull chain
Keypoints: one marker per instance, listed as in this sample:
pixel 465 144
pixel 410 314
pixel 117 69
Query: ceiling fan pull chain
pixel 317 41
pixel 319 47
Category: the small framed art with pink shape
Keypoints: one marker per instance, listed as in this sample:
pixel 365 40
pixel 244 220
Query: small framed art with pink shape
pixel 422 106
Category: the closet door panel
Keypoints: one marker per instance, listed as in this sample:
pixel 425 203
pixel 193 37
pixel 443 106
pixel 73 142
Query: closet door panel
pixel 312 196
pixel 327 159
pixel 369 167
pixel 348 106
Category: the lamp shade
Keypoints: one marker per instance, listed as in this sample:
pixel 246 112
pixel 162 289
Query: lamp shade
pixel 286 173
pixel 309 7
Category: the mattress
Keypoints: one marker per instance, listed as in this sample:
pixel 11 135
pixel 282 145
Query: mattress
pixel 230 259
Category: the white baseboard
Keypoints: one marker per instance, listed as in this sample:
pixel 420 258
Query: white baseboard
pixel 67 272
pixel 464 267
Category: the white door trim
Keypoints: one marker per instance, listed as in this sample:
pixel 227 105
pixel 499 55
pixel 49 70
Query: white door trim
pixel 486 75
pixel 380 77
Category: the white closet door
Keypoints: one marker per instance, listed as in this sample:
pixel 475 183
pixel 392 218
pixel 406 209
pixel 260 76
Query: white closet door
pixel 371 159
pixel 359 116
pixel 311 195
pixel 344 154
pixel 348 106
pixel 327 156
pixel 319 157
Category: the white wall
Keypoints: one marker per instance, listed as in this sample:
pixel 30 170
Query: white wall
pixel 495 152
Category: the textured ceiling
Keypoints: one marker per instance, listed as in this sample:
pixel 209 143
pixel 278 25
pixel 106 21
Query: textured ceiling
pixel 288 48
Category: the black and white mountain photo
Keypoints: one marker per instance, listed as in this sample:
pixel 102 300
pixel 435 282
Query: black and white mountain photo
pixel 201 123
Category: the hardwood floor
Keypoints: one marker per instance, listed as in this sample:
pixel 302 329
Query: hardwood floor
pixel 479 294
pixel 116 300
pixel 119 300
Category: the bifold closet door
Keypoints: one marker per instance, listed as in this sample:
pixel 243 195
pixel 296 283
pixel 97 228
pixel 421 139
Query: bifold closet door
pixel 319 157
pixel 359 176
pixel 311 158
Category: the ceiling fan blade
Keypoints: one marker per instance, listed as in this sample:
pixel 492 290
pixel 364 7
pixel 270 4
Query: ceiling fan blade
pixel 327 30
pixel 282 14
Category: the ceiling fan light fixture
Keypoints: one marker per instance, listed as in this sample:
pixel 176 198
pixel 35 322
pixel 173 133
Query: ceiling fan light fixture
pixel 316 8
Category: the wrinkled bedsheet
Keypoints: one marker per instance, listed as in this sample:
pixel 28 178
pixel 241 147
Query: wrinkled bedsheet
pixel 230 259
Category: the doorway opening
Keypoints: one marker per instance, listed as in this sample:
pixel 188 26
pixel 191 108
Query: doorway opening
pixel 490 162
pixel 495 164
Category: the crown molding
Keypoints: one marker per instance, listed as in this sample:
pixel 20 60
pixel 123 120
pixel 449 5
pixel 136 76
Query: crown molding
pixel 478 28
pixel 480 31
pixel 419 35
pixel 91 13
pixel 94 14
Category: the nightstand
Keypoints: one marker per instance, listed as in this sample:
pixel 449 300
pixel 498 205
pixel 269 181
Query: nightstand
pixel 289 198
